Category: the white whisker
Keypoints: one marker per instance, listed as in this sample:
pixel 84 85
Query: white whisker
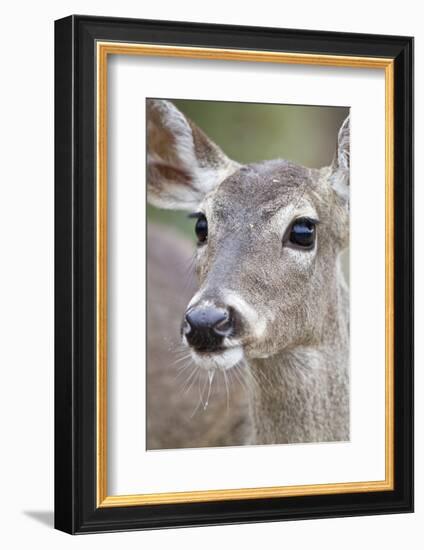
pixel 182 371
pixel 227 390
pixel 202 391
pixel 199 402
pixel 187 381
pixel 183 358
pixel 240 377
pixel 190 385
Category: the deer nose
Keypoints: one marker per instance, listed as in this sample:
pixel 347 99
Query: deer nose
pixel 206 327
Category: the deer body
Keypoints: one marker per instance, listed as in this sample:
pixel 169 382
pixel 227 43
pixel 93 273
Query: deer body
pixel 271 294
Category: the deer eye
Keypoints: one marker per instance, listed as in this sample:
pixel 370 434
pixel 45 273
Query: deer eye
pixel 201 228
pixel 302 233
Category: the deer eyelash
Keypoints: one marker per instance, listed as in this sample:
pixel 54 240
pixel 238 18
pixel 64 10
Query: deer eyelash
pixel 195 215
pixel 308 219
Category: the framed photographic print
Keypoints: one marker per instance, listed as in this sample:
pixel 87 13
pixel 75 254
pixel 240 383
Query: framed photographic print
pixel 234 270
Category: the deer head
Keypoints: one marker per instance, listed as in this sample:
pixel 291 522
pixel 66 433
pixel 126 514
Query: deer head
pixel 269 237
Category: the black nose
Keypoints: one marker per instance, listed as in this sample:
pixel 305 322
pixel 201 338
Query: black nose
pixel 206 327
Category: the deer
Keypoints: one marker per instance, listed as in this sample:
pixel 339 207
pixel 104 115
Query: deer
pixel 271 294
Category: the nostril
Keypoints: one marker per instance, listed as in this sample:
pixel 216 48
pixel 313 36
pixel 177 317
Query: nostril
pixel 186 327
pixel 224 326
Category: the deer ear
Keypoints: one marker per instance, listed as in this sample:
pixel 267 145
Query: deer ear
pixel 339 171
pixel 183 164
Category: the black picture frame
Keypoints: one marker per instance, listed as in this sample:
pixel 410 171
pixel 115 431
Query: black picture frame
pixel 76 509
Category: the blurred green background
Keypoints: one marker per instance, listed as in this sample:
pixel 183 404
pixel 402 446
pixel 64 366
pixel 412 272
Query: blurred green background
pixel 253 132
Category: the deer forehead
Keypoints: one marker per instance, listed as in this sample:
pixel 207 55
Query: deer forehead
pixel 256 194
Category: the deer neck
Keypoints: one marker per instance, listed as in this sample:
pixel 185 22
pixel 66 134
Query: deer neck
pixel 301 394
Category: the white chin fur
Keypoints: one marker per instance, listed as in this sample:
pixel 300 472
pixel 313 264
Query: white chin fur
pixel 224 361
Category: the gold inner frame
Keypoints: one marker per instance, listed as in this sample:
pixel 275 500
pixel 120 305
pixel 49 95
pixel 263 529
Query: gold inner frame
pixel 103 50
